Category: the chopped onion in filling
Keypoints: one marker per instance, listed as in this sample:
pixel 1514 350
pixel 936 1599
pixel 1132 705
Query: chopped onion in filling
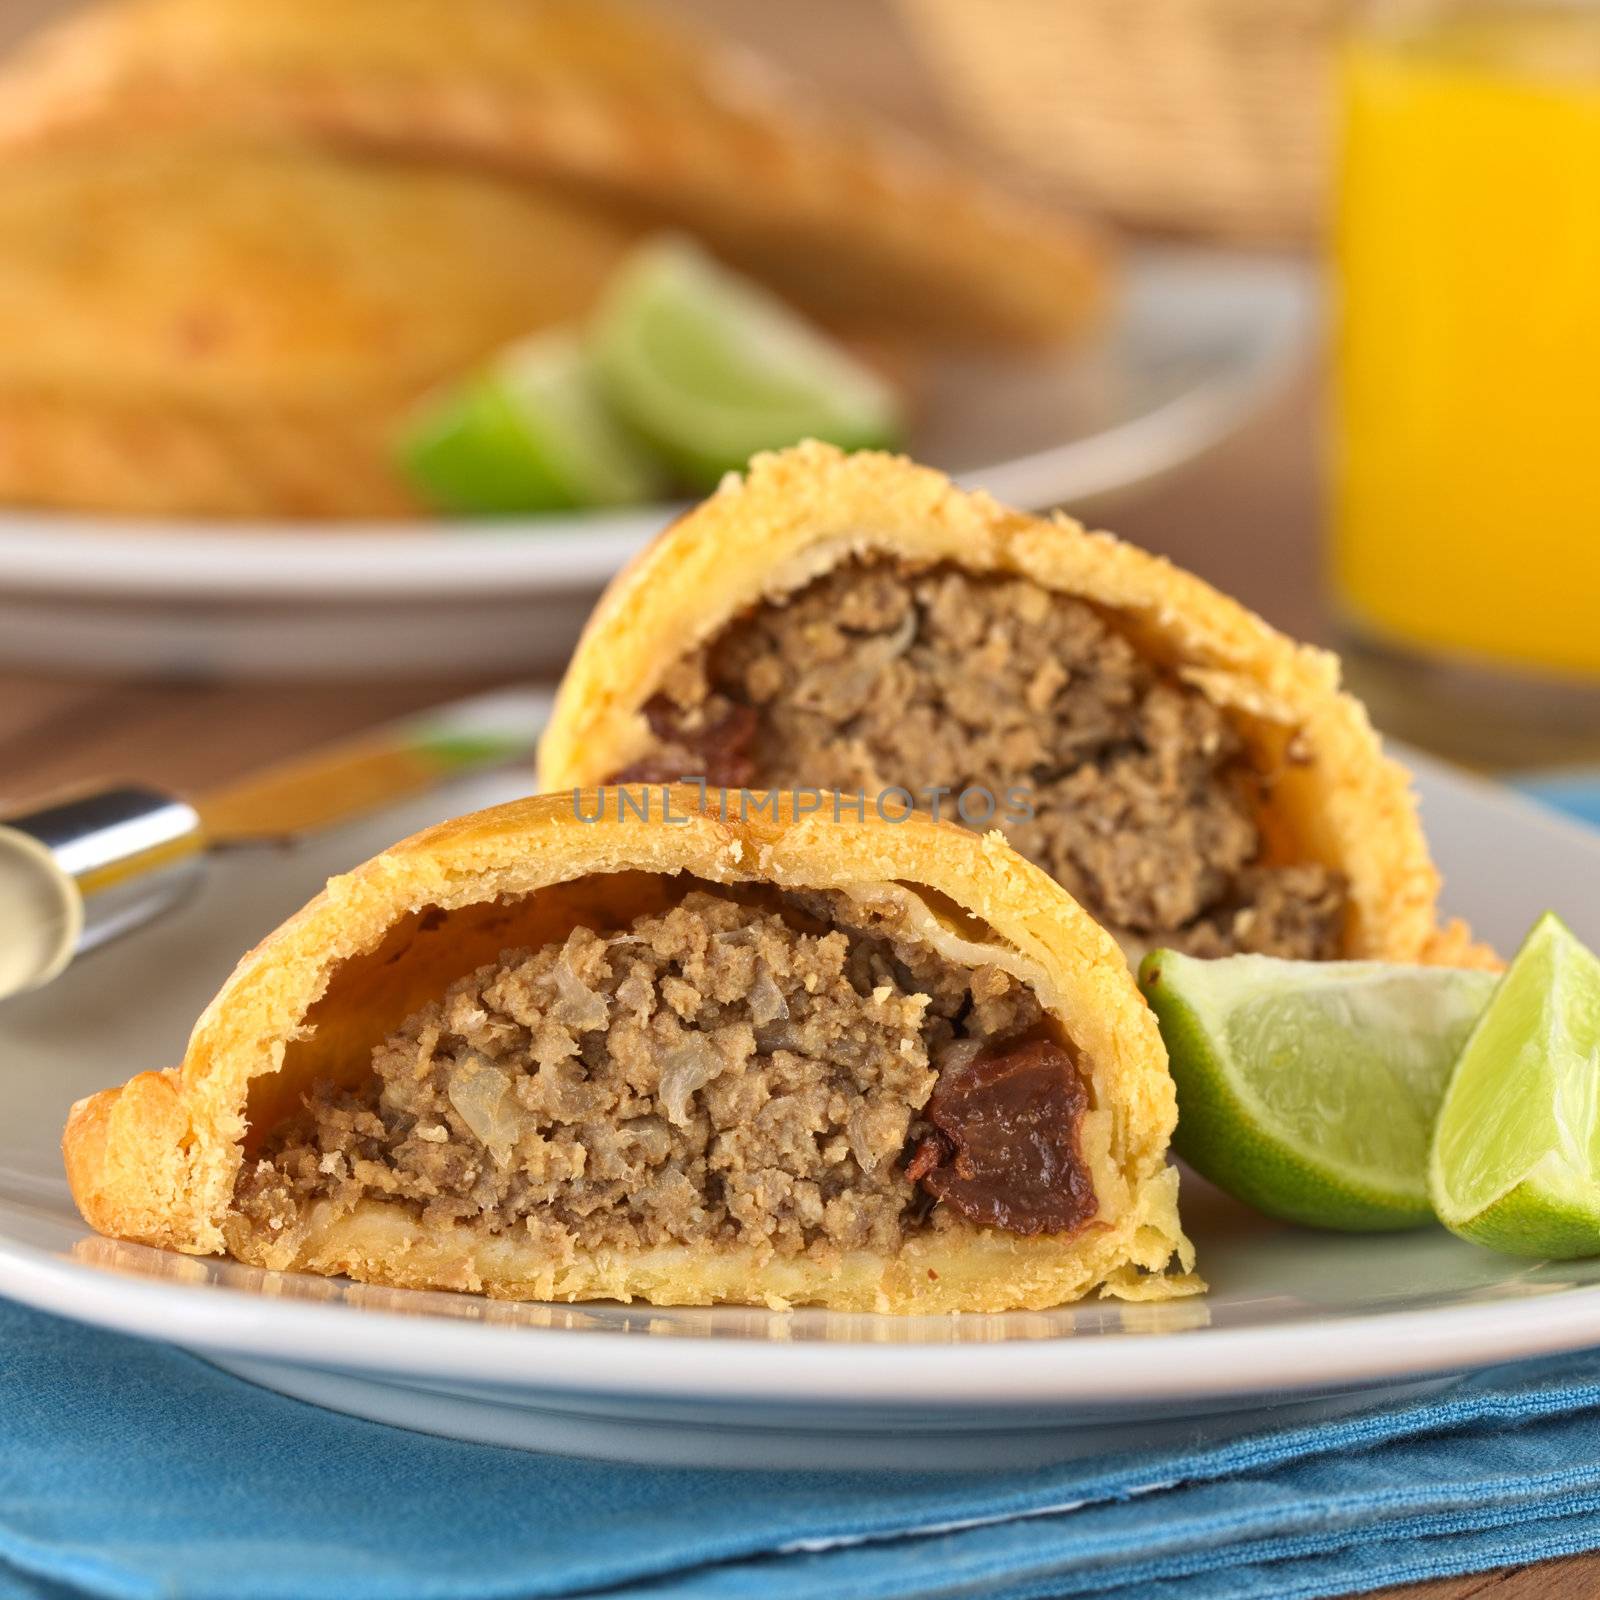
pixel 868 664
pixel 686 1068
pixel 578 1007
pixel 766 998
pixel 957 1054
pixel 485 1099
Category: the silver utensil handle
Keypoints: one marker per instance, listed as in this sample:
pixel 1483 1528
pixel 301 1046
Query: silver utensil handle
pixel 86 867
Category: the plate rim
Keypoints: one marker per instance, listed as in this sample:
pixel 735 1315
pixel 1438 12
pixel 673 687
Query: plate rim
pixel 1081 1372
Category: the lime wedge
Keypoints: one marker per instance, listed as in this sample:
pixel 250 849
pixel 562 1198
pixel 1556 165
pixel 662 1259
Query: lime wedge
pixel 710 368
pixel 1308 1089
pixel 529 433
pixel 1516 1155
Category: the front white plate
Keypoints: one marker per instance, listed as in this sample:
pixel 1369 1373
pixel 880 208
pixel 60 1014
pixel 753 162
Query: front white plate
pixel 1197 339
pixel 1294 1319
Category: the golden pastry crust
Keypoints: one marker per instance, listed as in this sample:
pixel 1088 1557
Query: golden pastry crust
pixel 602 101
pixel 156 1160
pixel 797 514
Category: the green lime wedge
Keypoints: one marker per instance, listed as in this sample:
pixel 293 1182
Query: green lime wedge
pixel 1308 1089
pixel 529 433
pixel 1516 1154
pixel 710 368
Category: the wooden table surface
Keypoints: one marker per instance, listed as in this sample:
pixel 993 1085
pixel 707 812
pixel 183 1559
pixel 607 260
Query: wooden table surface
pixel 1248 517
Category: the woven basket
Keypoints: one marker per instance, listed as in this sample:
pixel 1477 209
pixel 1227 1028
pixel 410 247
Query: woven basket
pixel 1208 116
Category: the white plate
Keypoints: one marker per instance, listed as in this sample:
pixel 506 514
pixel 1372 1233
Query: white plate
pixel 1295 1320
pixel 1197 339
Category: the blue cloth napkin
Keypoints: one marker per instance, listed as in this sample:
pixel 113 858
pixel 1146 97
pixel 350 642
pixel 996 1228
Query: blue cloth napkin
pixel 130 1469
pixel 1575 791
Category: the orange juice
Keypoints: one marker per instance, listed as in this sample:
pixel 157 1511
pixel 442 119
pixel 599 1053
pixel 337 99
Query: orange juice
pixel 1467 447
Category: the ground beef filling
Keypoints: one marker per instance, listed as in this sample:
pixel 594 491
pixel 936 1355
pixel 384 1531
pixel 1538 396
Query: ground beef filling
pixel 752 1071
pixel 1143 800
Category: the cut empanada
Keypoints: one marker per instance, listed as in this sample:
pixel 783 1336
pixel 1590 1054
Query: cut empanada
pixel 618 1045
pixel 855 623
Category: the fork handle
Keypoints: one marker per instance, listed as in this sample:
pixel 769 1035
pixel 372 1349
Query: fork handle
pixel 85 867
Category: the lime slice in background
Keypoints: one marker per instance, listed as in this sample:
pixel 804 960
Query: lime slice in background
pixel 1516 1154
pixel 529 433
pixel 710 368
pixel 1308 1089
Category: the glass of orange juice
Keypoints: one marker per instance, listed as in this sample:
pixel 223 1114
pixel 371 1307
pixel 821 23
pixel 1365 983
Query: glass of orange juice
pixel 1467 372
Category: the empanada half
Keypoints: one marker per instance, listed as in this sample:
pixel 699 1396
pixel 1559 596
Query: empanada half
pixel 856 623
pixel 564 1050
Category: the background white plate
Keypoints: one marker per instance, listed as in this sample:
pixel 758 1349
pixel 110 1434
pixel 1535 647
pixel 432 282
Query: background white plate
pixel 1294 1318
pixel 1197 339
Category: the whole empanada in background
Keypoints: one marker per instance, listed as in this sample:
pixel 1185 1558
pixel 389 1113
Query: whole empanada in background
pixel 569 1048
pixel 604 98
pixel 441 176
pixel 237 330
